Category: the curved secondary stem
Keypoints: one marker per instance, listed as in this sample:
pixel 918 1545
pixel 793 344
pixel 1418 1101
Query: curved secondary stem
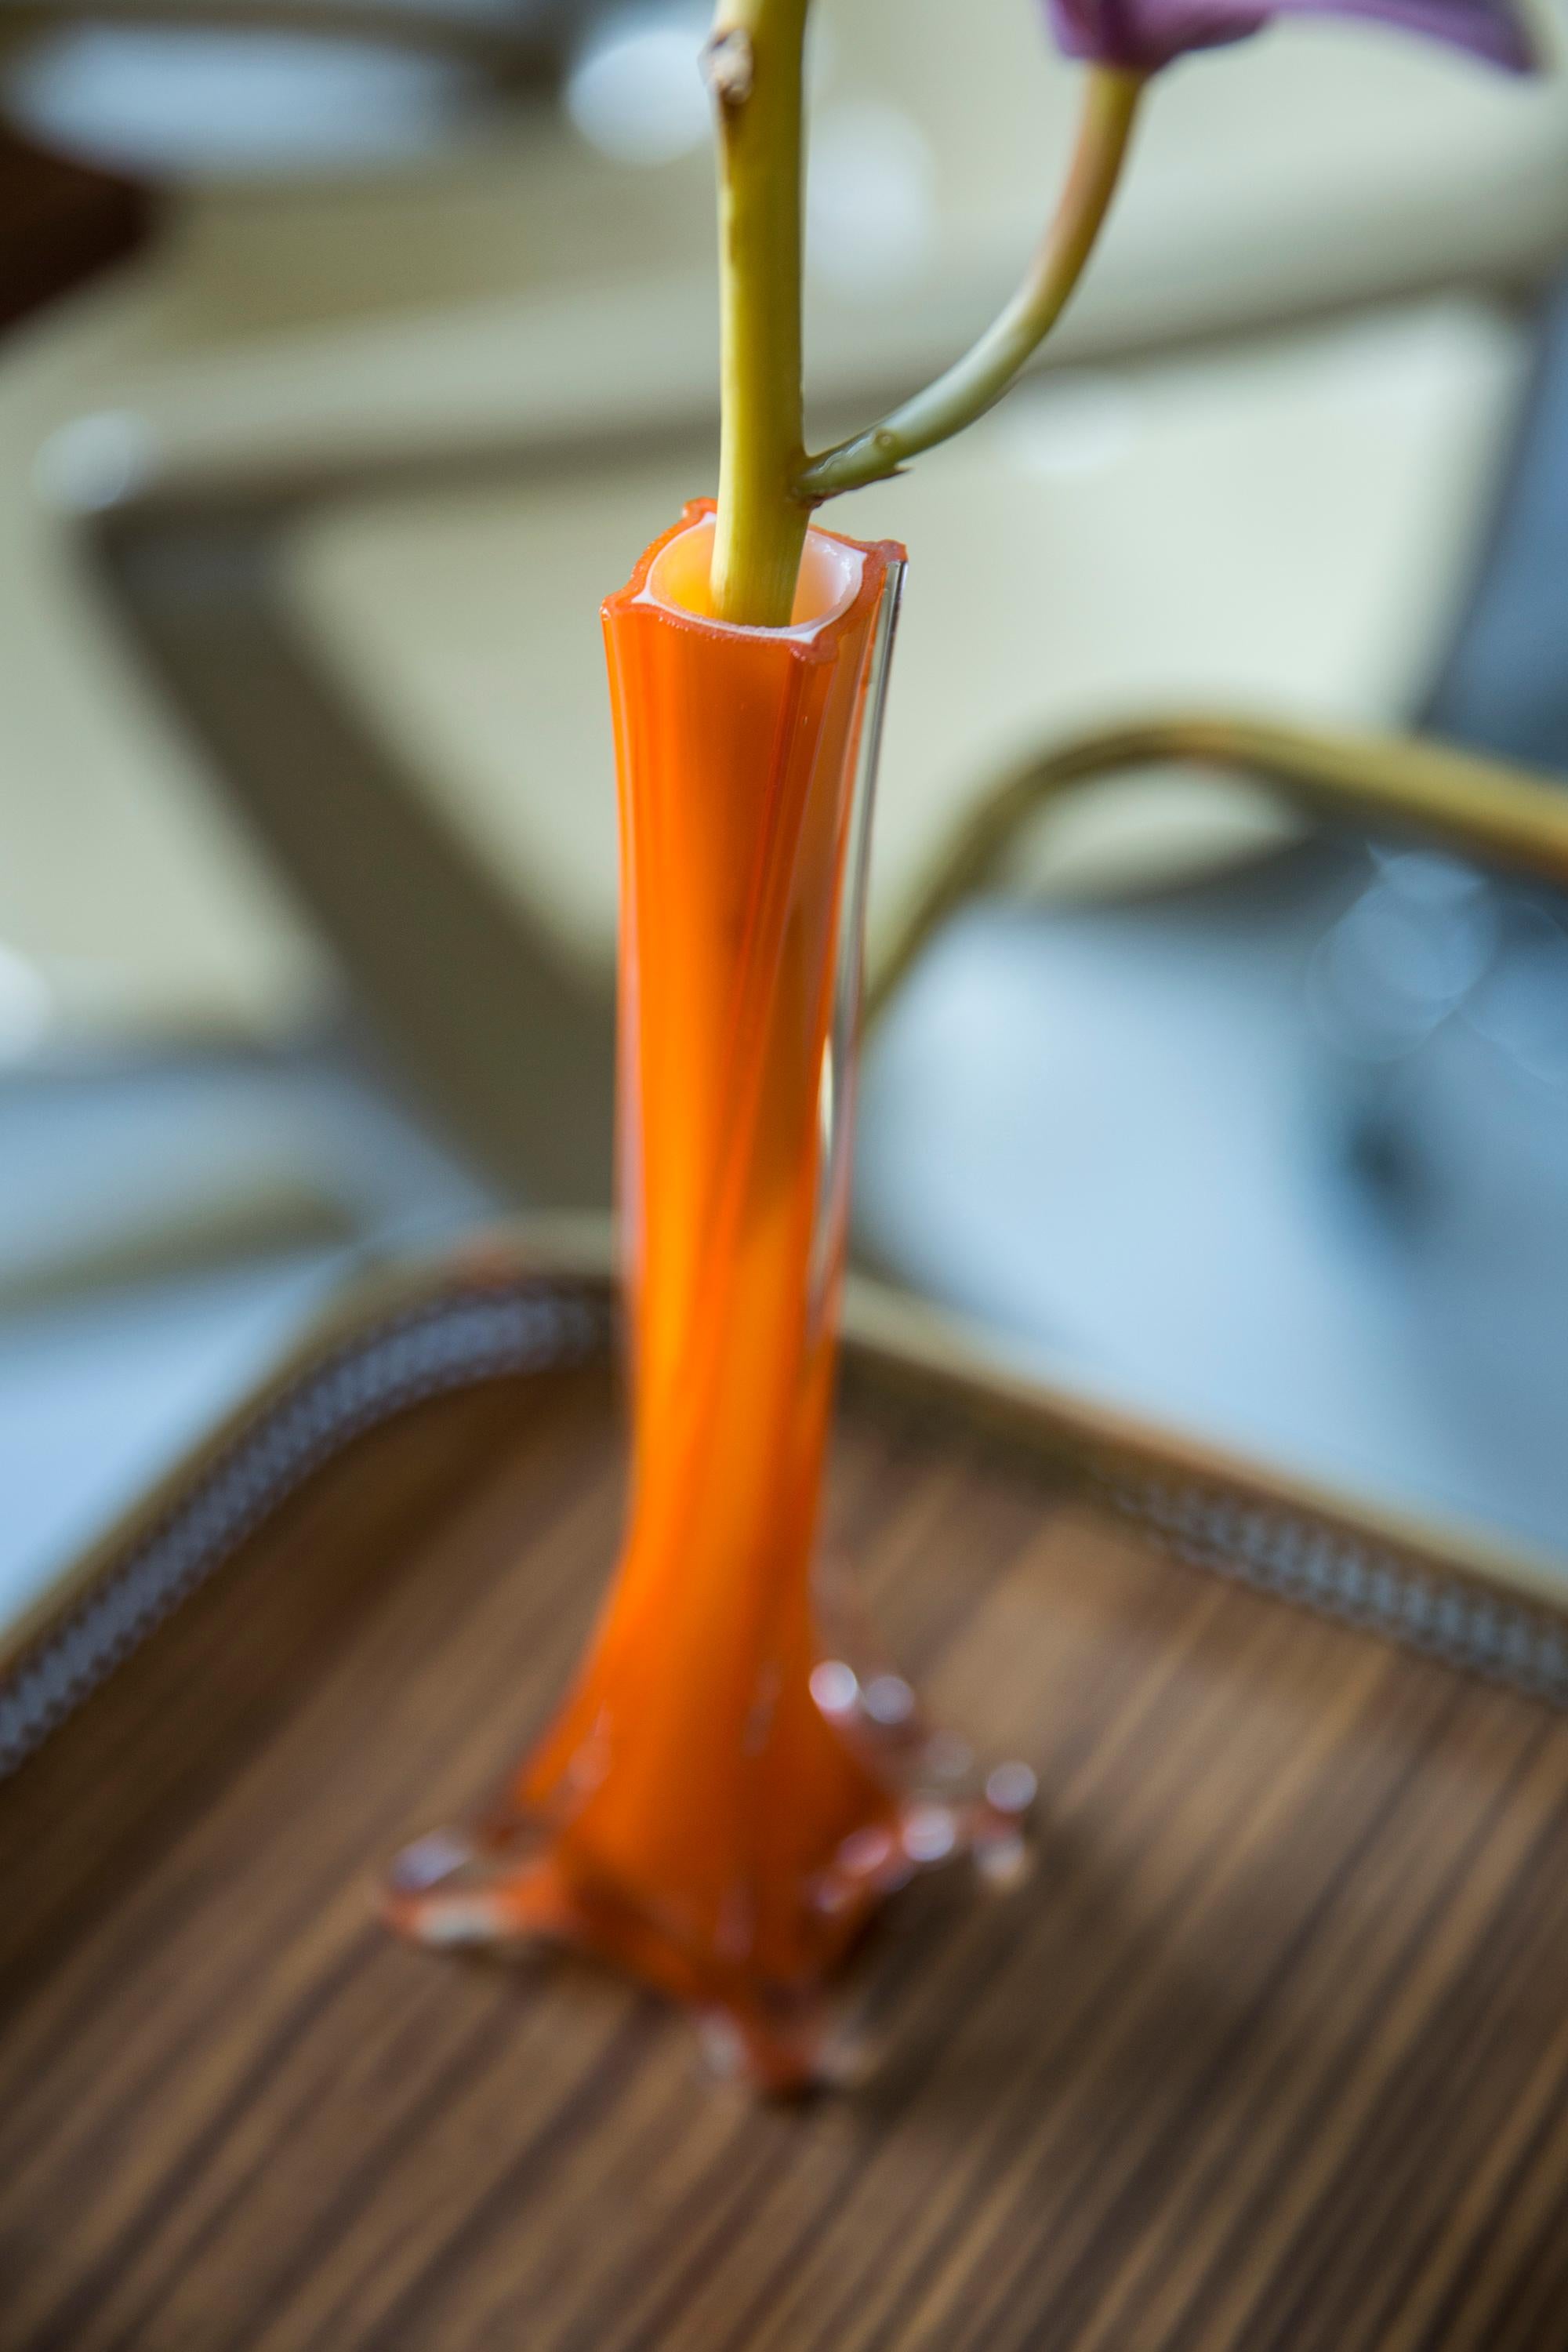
pixel 974 383
pixel 754 71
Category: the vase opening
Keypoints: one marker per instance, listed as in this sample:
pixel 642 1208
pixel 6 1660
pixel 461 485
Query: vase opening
pixel 831 573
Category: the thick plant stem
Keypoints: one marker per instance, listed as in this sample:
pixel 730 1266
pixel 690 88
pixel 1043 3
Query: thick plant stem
pixel 755 69
pixel 977 381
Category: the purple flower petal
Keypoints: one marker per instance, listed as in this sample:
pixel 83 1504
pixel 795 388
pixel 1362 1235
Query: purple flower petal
pixel 1142 36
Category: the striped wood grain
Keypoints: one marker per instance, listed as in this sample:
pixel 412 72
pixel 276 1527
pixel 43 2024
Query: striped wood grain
pixel 1270 2054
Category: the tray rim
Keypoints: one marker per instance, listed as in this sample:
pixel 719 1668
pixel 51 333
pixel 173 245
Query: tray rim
pixel 1184 1490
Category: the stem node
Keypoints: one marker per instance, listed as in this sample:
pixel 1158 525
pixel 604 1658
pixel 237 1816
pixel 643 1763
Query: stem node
pixel 728 65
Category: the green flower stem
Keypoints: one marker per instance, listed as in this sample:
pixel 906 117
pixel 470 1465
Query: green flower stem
pixel 1484 809
pixel 755 69
pixel 977 381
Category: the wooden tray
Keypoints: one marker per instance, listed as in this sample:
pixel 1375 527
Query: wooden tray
pixel 1272 2052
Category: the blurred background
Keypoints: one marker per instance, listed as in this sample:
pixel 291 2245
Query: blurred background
pixel 351 350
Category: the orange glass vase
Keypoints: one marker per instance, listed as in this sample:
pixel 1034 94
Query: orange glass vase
pixel 723 1799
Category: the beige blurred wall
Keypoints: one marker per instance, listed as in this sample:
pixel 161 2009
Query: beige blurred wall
pixel 523 283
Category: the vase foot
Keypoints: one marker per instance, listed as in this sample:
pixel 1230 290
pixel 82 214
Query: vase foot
pixel 513 1884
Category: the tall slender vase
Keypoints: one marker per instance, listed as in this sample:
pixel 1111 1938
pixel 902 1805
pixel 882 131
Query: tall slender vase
pixel 716 1807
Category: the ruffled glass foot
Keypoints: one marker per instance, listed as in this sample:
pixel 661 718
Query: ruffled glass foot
pixel 516 1880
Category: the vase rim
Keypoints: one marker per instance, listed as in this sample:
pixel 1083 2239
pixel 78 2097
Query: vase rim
pixel 831 578
pixel 843 571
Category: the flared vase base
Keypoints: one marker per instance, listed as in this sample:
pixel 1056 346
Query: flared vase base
pixel 509 1887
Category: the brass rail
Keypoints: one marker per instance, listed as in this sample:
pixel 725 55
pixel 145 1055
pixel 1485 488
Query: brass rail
pixel 1502 815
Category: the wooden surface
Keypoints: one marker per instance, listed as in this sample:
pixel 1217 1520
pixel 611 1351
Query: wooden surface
pixel 1272 2052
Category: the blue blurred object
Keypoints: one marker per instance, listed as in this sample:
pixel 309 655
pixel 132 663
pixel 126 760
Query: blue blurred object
pixel 171 1224
pixel 1505 686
